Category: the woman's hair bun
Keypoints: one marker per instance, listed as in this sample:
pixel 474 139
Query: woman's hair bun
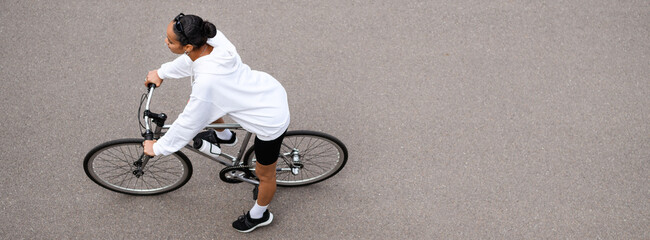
pixel 209 30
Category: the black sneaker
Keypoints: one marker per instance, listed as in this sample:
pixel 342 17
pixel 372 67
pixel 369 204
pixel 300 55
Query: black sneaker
pixel 246 224
pixel 211 136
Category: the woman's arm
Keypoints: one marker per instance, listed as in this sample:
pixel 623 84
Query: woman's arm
pixel 198 113
pixel 179 68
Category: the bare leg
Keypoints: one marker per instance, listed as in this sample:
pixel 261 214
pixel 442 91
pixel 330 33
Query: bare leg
pixel 267 187
pixel 256 216
pixel 219 121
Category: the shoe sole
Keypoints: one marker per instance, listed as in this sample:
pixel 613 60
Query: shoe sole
pixel 229 144
pixel 259 225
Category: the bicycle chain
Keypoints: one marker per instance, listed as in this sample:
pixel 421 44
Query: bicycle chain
pixel 226 170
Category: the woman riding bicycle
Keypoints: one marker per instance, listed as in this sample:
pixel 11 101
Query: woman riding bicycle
pixel 223 85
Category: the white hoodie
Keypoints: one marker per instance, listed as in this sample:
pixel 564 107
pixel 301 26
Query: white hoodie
pixel 224 85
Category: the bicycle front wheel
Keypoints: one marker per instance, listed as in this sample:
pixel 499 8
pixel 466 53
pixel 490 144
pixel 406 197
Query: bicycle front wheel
pixel 112 165
pixel 306 157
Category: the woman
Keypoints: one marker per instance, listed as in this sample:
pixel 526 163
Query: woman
pixel 223 85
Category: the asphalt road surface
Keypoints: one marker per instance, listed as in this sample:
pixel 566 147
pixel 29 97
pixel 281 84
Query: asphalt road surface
pixel 463 119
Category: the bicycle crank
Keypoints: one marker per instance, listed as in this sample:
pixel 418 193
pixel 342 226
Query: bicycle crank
pixel 237 174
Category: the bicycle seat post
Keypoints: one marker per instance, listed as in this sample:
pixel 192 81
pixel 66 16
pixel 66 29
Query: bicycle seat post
pixel 242 149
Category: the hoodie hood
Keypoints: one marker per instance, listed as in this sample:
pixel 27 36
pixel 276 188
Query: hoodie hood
pixel 223 59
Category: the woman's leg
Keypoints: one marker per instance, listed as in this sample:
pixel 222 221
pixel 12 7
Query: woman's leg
pixel 219 121
pixel 267 187
pixel 266 153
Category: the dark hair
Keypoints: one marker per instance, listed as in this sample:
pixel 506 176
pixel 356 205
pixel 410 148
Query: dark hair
pixel 195 30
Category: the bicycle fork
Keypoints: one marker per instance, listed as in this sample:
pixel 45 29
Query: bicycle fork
pixel 139 165
pixel 159 120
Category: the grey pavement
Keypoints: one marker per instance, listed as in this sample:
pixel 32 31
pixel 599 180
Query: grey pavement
pixel 463 119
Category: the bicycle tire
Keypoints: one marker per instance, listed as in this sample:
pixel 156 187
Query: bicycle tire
pixel 322 156
pixel 111 165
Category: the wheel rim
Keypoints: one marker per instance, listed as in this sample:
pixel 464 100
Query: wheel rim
pixel 113 167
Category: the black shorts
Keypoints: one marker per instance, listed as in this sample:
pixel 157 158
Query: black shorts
pixel 267 152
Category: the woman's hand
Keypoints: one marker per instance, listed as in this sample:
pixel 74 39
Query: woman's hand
pixel 152 77
pixel 148 147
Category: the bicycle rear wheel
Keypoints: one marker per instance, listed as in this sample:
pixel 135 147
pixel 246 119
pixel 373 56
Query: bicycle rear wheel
pixel 306 157
pixel 112 165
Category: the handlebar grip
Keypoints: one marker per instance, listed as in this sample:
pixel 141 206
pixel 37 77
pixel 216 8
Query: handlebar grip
pixel 151 85
pixel 148 135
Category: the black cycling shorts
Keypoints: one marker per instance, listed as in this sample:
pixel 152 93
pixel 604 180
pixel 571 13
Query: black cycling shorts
pixel 267 152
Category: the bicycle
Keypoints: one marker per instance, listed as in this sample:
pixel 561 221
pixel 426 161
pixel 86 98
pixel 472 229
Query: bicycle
pixel 306 157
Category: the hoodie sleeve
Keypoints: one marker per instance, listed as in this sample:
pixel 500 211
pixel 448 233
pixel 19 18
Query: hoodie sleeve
pixel 179 68
pixel 198 113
